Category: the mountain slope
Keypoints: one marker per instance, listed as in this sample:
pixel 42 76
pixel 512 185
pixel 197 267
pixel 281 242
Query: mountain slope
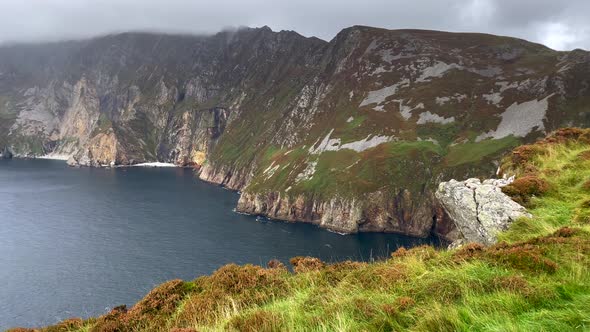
pixel 536 279
pixel 351 134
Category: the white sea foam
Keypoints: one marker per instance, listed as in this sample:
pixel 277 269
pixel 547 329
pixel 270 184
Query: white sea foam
pixel 55 156
pixel 155 164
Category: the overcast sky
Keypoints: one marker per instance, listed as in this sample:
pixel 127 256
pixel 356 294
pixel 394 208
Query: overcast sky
pixel 559 24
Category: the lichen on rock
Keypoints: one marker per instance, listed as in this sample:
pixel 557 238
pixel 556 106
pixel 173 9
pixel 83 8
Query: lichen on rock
pixel 479 210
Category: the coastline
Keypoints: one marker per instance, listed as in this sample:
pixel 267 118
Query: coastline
pixel 61 157
pixel 43 157
pixel 152 164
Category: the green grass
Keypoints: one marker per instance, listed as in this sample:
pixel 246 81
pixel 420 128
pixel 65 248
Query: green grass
pixel 356 122
pixel 566 171
pixel 536 279
pixel 474 152
pixel 444 134
pixel 345 173
pixel 387 168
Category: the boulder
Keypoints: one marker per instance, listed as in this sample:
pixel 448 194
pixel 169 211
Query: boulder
pixel 479 210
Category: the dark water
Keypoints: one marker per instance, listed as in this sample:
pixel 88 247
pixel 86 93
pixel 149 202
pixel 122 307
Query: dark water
pixel 75 242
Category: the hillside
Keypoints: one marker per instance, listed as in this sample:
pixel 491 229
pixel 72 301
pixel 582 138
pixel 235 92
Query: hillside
pixel 537 278
pixel 352 134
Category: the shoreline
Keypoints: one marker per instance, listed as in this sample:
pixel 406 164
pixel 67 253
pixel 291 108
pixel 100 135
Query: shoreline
pixel 61 157
pixel 152 164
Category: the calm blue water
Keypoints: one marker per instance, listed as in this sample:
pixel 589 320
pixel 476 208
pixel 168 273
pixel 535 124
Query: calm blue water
pixel 75 242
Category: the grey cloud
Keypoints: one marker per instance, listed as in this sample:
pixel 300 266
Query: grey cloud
pixel 559 24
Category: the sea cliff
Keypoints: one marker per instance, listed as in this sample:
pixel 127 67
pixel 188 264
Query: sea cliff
pixel 353 134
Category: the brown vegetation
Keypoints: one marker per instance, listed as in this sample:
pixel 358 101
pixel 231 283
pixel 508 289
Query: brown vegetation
pixel 258 321
pixel 306 264
pixel 183 329
pixel 468 251
pixel 238 285
pixel 514 284
pixel 521 256
pixel 275 264
pixel 521 158
pixel 526 187
pixel 404 303
pixel 584 155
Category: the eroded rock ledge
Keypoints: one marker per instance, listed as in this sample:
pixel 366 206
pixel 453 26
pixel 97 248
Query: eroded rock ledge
pixel 479 210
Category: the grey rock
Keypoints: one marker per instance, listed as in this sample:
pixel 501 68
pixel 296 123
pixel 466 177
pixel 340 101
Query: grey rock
pixel 479 210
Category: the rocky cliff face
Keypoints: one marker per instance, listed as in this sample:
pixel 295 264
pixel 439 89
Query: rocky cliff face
pixel 379 212
pixel 352 134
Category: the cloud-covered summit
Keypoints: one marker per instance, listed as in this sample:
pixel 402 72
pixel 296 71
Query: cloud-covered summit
pixel 561 25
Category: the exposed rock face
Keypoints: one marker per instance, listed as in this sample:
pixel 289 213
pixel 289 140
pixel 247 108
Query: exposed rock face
pixel 191 136
pixel 479 210
pixel 379 213
pixel 337 214
pixel 353 134
pixel 101 150
pixel 6 154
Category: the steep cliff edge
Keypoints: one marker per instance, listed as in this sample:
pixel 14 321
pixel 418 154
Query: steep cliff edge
pixel 352 134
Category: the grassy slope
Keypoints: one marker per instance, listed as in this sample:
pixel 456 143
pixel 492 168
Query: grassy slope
pixel 388 167
pixel 537 278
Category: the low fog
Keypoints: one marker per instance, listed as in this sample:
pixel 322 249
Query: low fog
pixel 562 25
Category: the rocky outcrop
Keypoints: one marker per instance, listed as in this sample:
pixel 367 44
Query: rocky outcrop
pixel 189 138
pixel 339 215
pixel 376 213
pixel 479 210
pixel 235 178
pixel 102 150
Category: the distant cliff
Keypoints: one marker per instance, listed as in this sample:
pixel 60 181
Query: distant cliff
pixel 352 134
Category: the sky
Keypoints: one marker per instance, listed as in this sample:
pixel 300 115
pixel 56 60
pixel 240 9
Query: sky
pixel 559 24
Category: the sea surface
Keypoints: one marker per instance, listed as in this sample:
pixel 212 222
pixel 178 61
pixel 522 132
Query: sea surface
pixel 75 242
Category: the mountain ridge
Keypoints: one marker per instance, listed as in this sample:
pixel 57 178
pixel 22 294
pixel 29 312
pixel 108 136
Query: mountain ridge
pixel 350 134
